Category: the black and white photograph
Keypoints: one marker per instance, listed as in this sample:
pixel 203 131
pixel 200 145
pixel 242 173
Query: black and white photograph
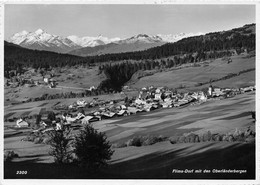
pixel 121 91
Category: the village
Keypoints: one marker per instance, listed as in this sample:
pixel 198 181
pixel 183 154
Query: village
pixel 150 98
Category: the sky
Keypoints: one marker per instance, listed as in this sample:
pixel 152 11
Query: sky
pixel 125 20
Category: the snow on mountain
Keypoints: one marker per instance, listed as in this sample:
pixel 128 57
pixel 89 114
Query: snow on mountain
pixel 19 37
pixel 91 41
pixel 157 38
pixel 136 43
pixel 141 38
pixel 41 40
pixel 174 38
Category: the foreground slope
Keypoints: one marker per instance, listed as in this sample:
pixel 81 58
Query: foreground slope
pixel 158 160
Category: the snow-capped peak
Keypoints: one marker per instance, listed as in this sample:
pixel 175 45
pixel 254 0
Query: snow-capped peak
pixel 142 38
pixel 91 41
pixel 39 31
pixel 23 32
pixel 42 40
pixel 174 38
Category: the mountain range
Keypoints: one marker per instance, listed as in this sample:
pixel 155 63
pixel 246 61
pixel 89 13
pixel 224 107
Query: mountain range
pixel 136 43
pixel 197 48
pixel 89 46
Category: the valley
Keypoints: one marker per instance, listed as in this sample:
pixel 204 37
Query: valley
pixel 187 105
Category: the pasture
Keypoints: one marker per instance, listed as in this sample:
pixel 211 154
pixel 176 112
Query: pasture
pixel 191 76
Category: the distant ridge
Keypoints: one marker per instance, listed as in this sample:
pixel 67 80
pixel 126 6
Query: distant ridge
pixel 41 40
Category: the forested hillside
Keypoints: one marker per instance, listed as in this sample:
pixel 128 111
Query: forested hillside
pixel 16 57
pixel 239 38
pixel 188 50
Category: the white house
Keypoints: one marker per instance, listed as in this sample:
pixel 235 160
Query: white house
pixel 210 90
pixel 58 126
pixel 157 91
pixel 217 91
pixel 69 119
pixel 158 96
pixel 46 79
pixel 43 124
pixel 122 112
pixel 21 123
pixel 92 88
pixel 81 102
pixel 202 96
pixel 87 119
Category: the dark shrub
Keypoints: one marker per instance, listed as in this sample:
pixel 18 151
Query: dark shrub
pixel 249 132
pixel 181 139
pixel 218 137
pixel 150 140
pixel 9 155
pixel 11 119
pixel 215 137
pixel 92 148
pixel 231 138
pixel 240 138
pixel 162 138
pixel 51 115
pixel 60 141
pixel 250 139
pixel 136 141
pixel 253 114
pixel 207 136
pixel 197 139
pixel 173 139
pixel 225 138
pixel 190 138
pixel 145 140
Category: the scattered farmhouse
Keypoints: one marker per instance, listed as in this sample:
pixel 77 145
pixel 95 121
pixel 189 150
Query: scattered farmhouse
pixel 21 123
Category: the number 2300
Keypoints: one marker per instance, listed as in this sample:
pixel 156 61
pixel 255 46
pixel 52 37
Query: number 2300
pixel 21 172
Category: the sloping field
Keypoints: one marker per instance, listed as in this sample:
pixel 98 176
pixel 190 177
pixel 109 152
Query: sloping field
pixel 158 160
pixel 17 110
pixel 220 116
pixel 82 77
pixel 243 80
pixel 191 76
pixel 75 79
